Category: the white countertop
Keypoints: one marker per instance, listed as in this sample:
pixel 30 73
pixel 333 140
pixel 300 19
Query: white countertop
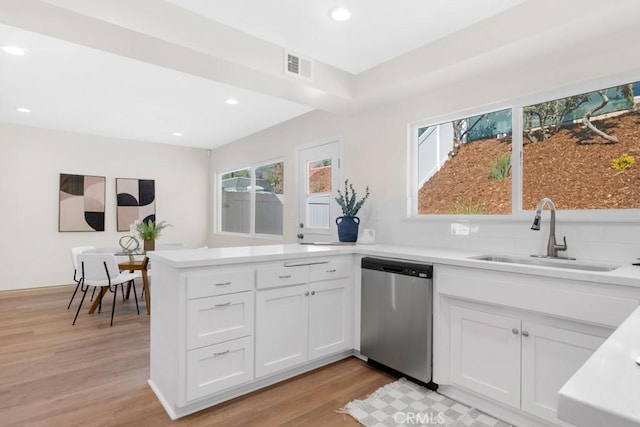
pixel 626 275
pixel 605 391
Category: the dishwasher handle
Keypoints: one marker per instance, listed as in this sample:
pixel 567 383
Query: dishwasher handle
pixel 392 269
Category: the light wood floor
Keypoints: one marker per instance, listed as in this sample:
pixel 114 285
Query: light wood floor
pixel 90 374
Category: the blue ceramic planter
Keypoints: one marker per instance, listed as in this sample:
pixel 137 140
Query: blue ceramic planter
pixel 347 228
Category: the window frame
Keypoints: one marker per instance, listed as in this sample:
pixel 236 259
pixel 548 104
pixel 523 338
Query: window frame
pixel 517 106
pixel 252 201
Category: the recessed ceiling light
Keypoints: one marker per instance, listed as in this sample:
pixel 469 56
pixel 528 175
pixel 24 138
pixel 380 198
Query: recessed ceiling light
pixel 340 14
pixel 14 50
pixel 177 134
pixel 23 110
pixel 231 101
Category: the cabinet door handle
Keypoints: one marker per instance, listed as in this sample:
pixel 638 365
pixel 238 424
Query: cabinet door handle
pixel 221 353
pixel 288 276
pixel 515 331
pixel 223 284
pixel 306 294
pixel 313 292
pixel 223 305
pixel 525 333
pixel 333 270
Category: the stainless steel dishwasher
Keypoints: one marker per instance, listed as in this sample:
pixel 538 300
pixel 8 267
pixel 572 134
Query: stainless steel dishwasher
pixel 397 316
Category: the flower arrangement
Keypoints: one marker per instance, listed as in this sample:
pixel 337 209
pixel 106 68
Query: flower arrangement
pixel 149 230
pixel 347 201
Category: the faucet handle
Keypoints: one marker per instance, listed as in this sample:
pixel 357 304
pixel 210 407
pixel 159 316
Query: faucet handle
pixel 562 247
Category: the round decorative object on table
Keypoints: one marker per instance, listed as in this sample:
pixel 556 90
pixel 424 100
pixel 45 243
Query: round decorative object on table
pixel 347 228
pixel 129 244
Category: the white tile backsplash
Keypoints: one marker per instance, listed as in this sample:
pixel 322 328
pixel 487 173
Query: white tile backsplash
pixel 612 242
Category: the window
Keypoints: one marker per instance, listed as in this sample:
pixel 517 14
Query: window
pixel 318 193
pixel 252 200
pixel 269 199
pixel 579 150
pixel 464 165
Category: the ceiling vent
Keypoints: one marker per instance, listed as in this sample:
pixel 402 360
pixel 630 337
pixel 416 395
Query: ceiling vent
pixel 296 65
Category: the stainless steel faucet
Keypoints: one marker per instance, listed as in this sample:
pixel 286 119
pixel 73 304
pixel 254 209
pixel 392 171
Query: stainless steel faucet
pixel 552 246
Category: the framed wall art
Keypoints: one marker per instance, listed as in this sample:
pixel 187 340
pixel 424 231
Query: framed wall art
pixel 81 203
pixel 136 201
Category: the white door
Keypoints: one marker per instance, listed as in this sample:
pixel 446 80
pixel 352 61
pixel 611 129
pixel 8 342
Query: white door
pixel 550 356
pixel 485 354
pixel 318 180
pixel 282 328
pixel 330 328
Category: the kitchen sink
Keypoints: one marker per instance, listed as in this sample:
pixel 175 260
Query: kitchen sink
pixel 547 262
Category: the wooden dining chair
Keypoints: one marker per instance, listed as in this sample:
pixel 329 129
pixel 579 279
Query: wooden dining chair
pixel 101 270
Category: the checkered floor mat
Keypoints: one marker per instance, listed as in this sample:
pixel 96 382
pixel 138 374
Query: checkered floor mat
pixel 404 403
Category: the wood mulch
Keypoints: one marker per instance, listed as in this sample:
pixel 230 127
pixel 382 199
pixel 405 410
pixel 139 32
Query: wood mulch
pixel 320 179
pixel 572 167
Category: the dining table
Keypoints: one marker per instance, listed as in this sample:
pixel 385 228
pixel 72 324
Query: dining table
pixel 133 263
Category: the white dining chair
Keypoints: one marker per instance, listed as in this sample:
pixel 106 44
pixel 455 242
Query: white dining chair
pixel 161 247
pixel 75 251
pixel 101 270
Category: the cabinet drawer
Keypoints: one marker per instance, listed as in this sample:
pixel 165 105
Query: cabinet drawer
pixel 275 276
pixel 219 282
pixel 334 269
pixel 220 318
pixel 214 368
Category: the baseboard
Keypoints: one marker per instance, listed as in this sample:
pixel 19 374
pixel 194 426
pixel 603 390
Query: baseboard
pixel 165 404
pixel 177 412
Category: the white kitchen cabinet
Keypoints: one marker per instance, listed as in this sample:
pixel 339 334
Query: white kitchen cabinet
pixel 330 319
pixel 550 356
pixel 520 363
pixel 281 333
pixel 301 323
pixel 485 354
pixel 219 330
pixel 217 367
pixel 220 318
pixel 515 339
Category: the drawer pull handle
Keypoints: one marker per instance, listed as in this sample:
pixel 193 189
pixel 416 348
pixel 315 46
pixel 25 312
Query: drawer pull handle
pixel 221 353
pixel 515 331
pixel 288 276
pixel 299 264
pixel 313 292
pixel 306 294
pixel 223 305
pixel 525 333
pixel 223 284
pixel 333 270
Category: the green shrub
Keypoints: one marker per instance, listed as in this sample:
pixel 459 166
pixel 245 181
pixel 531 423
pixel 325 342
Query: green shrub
pixel 500 168
pixel 623 162
pixel 468 209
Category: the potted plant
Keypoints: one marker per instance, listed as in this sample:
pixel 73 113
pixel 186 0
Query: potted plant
pixel 348 223
pixel 149 231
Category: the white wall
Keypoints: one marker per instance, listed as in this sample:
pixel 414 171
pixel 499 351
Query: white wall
pixel 275 143
pixel 376 149
pixel 33 253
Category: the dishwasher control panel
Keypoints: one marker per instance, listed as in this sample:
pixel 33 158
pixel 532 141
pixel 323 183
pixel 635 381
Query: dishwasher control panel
pixel 398 267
